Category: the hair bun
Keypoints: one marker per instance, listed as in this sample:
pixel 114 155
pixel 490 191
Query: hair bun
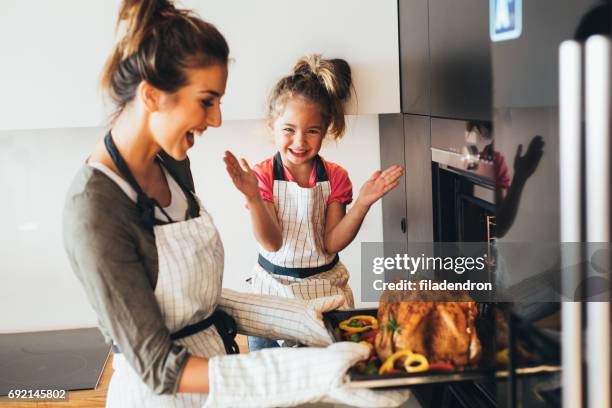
pixel 334 74
pixel 137 18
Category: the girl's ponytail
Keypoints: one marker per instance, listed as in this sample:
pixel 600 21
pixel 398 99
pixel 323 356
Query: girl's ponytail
pixel 326 82
pixel 334 74
pixel 157 42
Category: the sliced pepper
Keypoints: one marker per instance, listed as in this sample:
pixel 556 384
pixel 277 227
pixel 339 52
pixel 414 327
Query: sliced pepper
pixel 369 336
pixel 502 356
pixel 441 366
pixel 416 363
pixel 357 324
pixel 389 363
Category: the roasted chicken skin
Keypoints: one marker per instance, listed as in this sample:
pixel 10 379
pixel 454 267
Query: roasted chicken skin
pixel 442 331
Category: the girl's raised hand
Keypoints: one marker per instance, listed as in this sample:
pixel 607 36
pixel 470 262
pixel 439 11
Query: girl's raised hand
pixel 243 177
pixel 379 184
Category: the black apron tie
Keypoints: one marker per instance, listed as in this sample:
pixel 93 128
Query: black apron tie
pixel 224 324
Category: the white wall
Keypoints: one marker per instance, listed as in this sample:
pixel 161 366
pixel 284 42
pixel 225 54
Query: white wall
pixel 38 290
pixel 53 51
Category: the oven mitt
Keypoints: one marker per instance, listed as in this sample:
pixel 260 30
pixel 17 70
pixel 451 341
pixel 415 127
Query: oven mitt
pixel 282 377
pixel 274 317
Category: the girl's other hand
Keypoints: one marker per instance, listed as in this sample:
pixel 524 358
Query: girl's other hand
pixel 379 184
pixel 243 177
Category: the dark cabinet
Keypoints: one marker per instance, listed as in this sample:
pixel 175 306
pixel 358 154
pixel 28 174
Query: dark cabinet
pixel 391 129
pixel 417 152
pixel 414 56
pixel 445 58
pixel 460 59
pixel 407 210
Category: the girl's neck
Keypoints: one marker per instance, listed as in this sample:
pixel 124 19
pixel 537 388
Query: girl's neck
pixel 301 172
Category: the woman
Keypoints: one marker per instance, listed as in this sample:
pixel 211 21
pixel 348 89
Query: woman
pixel 150 257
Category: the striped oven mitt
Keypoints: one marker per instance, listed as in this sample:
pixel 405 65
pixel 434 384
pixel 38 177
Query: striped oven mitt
pixel 274 317
pixel 282 377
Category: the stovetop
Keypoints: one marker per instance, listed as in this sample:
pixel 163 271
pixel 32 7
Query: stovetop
pixel 61 359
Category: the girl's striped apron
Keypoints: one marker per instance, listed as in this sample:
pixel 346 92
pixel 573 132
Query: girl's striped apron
pixel 301 268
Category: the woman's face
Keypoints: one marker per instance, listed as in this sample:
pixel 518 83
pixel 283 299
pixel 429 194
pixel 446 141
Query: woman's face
pixel 299 131
pixel 189 111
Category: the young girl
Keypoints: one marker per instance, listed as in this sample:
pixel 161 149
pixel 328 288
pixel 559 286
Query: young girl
pixel 298 200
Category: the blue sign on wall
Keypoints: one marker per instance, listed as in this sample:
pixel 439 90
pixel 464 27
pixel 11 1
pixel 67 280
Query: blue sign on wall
pixel 505 19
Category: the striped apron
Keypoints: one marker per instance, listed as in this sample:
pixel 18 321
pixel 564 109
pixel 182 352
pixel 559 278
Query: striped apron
pixel 190 260
pixel 301 268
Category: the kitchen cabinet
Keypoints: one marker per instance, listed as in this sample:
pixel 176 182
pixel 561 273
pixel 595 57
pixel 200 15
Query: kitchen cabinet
pixel 414 56
pixel 391 128
pixel 417 152
pixel 53 53
pixel 445 58
pixel 460 59
pixel 407 210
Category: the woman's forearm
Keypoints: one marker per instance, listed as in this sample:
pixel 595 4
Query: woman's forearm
pixel 342 234
pixel 194 378
pixel 265 226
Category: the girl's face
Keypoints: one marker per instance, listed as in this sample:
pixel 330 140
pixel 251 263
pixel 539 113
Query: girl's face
pixel 189 111
pixel 299 131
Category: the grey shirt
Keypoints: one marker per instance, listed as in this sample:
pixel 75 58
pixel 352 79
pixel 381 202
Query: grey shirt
pixel 115 258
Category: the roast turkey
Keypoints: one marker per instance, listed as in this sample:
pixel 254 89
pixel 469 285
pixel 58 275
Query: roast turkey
pixel 443 331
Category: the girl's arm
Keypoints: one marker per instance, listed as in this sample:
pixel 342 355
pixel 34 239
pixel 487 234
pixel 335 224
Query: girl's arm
pixel 341 227
pixel 265 224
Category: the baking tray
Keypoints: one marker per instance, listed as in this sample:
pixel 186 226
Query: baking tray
pixel 357 380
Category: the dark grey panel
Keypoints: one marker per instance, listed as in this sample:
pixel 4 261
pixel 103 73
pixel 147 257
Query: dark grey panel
pixel 460 59
pixel 526 69
pixel 392 152
pixel 414 56
pixel 418 178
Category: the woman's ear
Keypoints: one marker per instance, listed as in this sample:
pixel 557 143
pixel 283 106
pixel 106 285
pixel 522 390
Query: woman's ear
pixel 150 96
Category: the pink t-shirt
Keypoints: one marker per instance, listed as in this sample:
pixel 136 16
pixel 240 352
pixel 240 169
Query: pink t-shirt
pixel 340 184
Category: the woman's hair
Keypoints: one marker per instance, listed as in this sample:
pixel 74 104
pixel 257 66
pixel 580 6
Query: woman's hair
pixel 159 43
pixel 325 82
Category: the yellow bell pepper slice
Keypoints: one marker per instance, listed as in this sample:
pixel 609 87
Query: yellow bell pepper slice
pixel 503 356
pixel 346 324
pixel 416 363
pixel 389 363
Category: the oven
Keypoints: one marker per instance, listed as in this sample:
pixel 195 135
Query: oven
pixel 463 180
pixel 469 181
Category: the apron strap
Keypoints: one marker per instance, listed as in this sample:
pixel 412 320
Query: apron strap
pixel 295 272
pixel 193 206
pixel 224 323
pixel 145 203
pixel 321 172
pixel 279 171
